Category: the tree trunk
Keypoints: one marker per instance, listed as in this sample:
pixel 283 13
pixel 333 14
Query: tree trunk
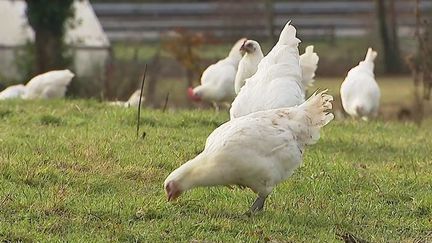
pixel 48 51
pixel 393 28
pixel 47 19
pixel 389 37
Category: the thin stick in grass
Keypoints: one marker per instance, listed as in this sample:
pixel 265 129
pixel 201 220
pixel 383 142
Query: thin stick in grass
pixel 166 102
pixel 139 104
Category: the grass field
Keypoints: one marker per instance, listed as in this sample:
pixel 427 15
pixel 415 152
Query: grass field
pixel 74 171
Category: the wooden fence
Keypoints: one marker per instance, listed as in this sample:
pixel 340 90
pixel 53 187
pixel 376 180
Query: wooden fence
pixel 233 19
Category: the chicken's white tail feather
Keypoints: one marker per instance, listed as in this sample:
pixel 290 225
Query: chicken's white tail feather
pixel 317 107
pixel 288 35
pixel 309 49
pixel 309 64
pixel 370 55
pixel 316 115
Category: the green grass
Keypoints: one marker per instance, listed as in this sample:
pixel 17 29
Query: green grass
pixel 75 171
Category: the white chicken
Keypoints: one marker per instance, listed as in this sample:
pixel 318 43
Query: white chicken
pixel 278 80
pixel 359 91
pixel 13 92
pixel 309 64
pixel 258 151
pixel 133 100
pixel 217 81
pixel 49 85
pixel 248 65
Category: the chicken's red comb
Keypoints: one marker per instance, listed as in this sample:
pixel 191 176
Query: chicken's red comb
pixel 192 95
pixel 190 92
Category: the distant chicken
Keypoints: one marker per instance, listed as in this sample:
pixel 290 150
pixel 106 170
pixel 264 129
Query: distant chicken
pixel 248 64
pixel 309 64
pixel 217 81
pixel 13 92
pixel 278 80
pixel 360 93
pixel 133 100
pixel 49 85
pixel 258 151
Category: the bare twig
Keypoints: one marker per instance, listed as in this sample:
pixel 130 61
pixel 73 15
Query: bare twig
pixel 139 104
pixel 166 102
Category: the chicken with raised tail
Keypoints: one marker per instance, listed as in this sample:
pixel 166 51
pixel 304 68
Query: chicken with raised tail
pixel 49 85
pixel 217 81
pixel 359 91
pixel 277 82
pixel 248 64
pixel 258 151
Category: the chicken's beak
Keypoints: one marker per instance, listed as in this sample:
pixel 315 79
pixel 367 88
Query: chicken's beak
pixel 242 47
pixel 172 191
pixel 247 48
pixel 172 196
pixel 192 95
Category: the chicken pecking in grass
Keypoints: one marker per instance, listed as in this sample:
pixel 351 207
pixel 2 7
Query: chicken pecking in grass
pixel 258 151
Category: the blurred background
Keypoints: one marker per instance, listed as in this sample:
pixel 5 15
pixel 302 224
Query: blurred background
pixel 107 43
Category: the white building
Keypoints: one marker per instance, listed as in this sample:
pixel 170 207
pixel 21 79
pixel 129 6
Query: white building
pixel 87 39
